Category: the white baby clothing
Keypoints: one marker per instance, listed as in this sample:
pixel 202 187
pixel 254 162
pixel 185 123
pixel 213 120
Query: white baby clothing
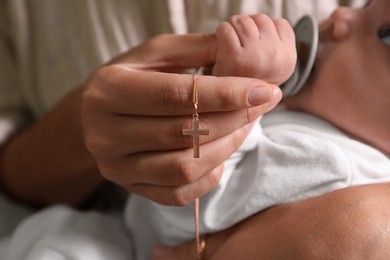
pixel 293 156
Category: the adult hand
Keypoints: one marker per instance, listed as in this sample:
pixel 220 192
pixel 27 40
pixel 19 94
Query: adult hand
pixel 352 223
pixel 133 118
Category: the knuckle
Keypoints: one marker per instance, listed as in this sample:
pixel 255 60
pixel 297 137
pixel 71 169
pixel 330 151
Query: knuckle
pixel 237 137
pixel 184 171
pixel 214 177
pixel 286 31
pixel 179 198
pixel 240 19
pixel 222 28
pixel 98 84
pixel 262 19
pixel 102 75
pixel 92 84
pixel 234 18
pixel 260 16
pixel 246 26
pixel 173 197
pixel 97 145
pixel 282 23
pixel 106 171
pixel 227 97
pixel 250 114
pixel 285 27
pixel 174 97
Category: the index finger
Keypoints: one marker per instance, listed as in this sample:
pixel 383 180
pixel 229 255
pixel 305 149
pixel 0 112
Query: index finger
pixel 130 92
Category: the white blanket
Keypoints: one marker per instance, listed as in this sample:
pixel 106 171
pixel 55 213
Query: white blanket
pixel 294 156
pixel 62 233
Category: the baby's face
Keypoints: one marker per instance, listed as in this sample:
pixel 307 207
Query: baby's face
pixel 355 44
pixel 350 86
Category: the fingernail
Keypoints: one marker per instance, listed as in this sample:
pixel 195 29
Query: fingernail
pixel 260 95
pixel 161 250
pixel 277 97
pixel 277 92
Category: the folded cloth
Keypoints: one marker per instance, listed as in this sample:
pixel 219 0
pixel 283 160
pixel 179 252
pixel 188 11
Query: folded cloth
pixel 62 233
pixel 12 213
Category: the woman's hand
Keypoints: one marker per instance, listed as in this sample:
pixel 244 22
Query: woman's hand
pixel 133 120
pixel 352 223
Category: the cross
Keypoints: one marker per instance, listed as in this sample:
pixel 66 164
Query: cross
pixel 195 132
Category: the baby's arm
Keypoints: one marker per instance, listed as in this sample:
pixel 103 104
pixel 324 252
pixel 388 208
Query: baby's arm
pixel 255 46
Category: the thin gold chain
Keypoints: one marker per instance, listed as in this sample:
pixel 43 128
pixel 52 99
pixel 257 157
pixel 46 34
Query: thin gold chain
pixel 195 95
pixel 199 250
pixel 195 100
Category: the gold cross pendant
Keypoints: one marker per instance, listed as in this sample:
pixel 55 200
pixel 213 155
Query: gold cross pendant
pixel 195 131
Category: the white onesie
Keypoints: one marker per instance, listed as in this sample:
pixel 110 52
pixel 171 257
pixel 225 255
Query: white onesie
pixel 292 157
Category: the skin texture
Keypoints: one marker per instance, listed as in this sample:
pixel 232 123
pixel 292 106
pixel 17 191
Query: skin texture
pixel 120 119
pixel 134 133
pixel 130 98
pixel 346 224
pixel 257 47
pixel 351 223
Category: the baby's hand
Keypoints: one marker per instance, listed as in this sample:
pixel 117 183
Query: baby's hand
pixel 255 46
